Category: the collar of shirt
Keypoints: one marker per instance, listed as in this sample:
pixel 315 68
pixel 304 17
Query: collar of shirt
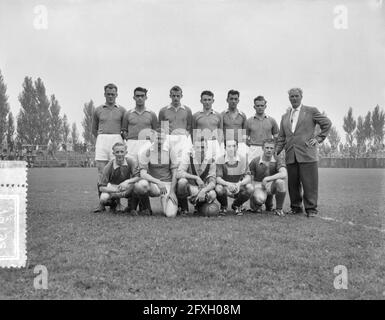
pixel 236 158
pixel 115 165
pixel 105 106
pixel 272 160
pixel 236 110
pixel 180 107
pixel 298 108
pixel 137 112
pixel 155 145
pixel 211 111
pixel 263 117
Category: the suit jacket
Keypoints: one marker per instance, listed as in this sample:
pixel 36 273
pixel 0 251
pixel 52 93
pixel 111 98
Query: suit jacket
pixel 296 143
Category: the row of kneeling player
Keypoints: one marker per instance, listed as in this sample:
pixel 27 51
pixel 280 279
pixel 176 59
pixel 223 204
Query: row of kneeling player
pixel 159 171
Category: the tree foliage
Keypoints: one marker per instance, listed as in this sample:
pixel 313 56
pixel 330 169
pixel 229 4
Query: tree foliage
pixel 56 122
pixel 74 134
pixel 4 108
pixel 349 126
pixel 27 119
pixel 88 111
pixel 378 122
pixel 10 131
pixel 65 129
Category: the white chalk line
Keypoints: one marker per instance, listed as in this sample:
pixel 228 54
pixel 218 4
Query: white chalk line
pixel 351 223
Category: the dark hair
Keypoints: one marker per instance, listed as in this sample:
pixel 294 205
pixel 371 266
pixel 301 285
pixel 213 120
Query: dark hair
pixel 207 93
pixel 110 86
pixel 269 141
pixel 141 90
pixel 176 88
pixel 260 98
pixel 233 92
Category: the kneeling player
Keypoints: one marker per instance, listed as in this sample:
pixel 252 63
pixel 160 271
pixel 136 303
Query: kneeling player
pixel 118 179
pixel 197 176
pixel 233 179
pixel 269 174
pixel 158 165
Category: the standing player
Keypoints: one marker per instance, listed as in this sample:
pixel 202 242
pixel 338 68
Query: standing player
pixel 158 165
pixel 208 124
pixel 259 128
pixel 106 127
pixel 138 125
pixel 233 179
pixel 197 176
pixel 234 122
pixel 176 120
pixel 269 174
pixel 119 179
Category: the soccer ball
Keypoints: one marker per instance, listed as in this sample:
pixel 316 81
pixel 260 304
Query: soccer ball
pixel 209 210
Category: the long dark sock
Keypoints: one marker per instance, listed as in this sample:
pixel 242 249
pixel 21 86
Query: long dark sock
pixel 241 198
pixel 279 199
pixel 144 203
pixel 183 203
pixel 269 202
pixel 222 199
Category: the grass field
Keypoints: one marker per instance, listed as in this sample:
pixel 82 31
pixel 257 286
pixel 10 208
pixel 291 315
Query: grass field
pixel 94 256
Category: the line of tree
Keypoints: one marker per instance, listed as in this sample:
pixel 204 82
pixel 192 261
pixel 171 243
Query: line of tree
pixel 363 135
pixel 39 121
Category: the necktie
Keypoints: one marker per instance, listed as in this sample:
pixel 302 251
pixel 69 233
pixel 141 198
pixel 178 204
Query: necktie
pixel 293 123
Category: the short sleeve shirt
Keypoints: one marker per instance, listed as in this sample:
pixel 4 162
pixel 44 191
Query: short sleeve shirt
pixel 261 129
pixel 259 170
pixel 159 162
pixel 234 128
pixel 108 120
pixel 232 172
pixel 115 174
pixel 211 122
pixel 134 122
pixel 180 118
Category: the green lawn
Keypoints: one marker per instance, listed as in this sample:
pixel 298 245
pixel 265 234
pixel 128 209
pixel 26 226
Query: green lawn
pixel 97 256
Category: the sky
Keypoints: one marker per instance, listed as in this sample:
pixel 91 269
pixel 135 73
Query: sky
pixel 335 54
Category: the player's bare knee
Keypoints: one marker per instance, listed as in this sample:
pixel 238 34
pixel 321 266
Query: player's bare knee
pixel 280 185
pixel 249 189
pixel 211 196
pixel 259 197
pixel 104 197
pixel 220 190
pixel 181 185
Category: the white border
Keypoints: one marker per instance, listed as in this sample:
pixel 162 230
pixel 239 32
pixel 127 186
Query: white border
pixel 16 198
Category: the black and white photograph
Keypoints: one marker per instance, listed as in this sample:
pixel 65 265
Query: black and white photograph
pixel 211 151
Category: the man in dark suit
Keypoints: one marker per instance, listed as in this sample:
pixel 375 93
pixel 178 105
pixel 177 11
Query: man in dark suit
pixel 297 136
